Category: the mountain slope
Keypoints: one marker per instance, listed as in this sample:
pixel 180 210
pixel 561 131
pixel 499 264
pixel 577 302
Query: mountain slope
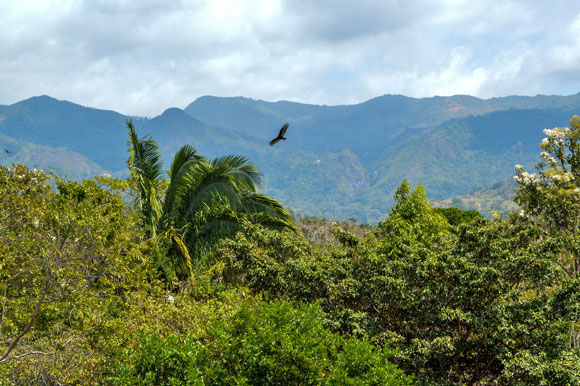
pixel 175 128
pixel 97 134
pixel 498 197
pixel 367 128
pixel 62 161
pixel 338 161
pixel 457 155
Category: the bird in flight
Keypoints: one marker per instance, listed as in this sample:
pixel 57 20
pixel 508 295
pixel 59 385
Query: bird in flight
pixel 7 151
pixel 280 135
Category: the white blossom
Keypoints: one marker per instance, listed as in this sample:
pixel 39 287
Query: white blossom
pixel 557 133
pixel 525 178
pixel 564 177
pixel 548 158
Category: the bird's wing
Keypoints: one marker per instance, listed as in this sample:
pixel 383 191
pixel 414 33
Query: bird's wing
pixel 283 130
pixel 275 141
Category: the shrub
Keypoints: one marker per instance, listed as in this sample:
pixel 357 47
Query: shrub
pixel 264 343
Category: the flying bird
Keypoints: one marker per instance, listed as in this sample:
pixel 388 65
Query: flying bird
pixel 280 135
pixel 7 151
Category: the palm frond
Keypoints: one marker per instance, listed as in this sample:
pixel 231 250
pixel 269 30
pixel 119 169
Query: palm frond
pixel 265 210
pixel 184 252
pixel 243 173
pixel 218 192
pixel 208 236
pixel 207 184
pixel 145 158
pixel 185 160
pixel 184 155
pixel 272 222
pixel 146 168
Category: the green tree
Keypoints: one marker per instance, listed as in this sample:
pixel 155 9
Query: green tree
pixel 67 252
pixel 203 201
pixel 412 220
pixel 457 216
pixel 485 304
pixel 552 196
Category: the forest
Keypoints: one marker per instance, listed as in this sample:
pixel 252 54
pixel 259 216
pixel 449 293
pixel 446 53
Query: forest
pixel 191 276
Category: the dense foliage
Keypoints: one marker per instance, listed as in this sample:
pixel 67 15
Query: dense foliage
pixel 262 343
pixel 456 216
pixel 477 304
pixel 427 297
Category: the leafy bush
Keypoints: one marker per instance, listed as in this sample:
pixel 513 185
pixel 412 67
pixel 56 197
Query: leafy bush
pixel 264 343
pixel 456 216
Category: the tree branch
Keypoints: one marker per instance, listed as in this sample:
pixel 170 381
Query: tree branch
pixel 4 356
pixel 3 307
pixel 28 353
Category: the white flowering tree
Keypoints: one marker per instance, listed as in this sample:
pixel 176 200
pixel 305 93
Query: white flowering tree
pixel 551 196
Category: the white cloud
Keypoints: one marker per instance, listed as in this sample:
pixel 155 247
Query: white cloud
pixel 142 56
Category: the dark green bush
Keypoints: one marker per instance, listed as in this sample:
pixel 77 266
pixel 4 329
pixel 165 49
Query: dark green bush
pixel 456 216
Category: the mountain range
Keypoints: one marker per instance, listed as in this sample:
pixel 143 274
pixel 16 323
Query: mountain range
pixel 338 162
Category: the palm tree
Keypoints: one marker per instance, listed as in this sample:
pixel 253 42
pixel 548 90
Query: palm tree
pixel 146 170
pixel 204 201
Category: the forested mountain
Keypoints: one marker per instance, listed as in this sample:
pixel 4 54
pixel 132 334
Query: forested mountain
pixel 99 135
pixel 60 160
pixel 366 128
pixel 338 161
pixel 460 154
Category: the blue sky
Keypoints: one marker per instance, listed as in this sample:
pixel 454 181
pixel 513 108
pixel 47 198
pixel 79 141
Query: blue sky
pixel 140 57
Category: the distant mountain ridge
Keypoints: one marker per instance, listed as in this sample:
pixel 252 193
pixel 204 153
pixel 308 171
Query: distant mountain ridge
pixel 99 135
pixel 338 162
pixel 365 128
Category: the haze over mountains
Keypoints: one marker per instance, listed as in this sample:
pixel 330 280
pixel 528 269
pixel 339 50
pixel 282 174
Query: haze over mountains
pixel 338 161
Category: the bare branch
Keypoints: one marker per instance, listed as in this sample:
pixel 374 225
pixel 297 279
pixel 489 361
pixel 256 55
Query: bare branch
pixel 3 307
pixel 29 353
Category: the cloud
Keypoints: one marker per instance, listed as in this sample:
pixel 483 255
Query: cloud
pixel 330 21
pixel 140 57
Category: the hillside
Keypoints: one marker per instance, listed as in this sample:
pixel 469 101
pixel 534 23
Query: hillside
pixel 498 197
pixel 97 134
pixel 338 162
pixel 458 155
pixel 59 160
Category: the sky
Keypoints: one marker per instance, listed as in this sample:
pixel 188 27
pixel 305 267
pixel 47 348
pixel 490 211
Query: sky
pixel 139 57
